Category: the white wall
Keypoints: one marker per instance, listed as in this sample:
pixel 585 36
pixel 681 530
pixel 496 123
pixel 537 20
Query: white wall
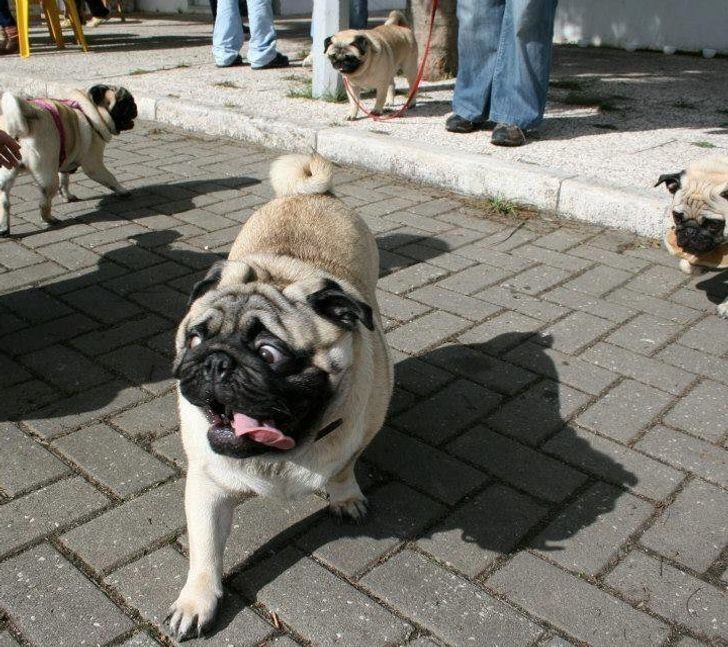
pixel 304 7
pixel 689 25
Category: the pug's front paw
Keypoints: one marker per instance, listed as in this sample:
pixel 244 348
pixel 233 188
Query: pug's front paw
pixel 193 612
pixel 723 310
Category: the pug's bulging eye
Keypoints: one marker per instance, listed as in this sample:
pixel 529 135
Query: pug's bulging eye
pixel 194 340
pixel 270 354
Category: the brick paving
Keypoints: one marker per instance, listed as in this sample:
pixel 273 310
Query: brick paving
pixel 554 470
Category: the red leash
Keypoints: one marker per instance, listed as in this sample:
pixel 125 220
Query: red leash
pixel 413 89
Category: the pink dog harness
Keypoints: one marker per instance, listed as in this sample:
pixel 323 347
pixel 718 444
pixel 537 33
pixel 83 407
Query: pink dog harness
pixel 52 109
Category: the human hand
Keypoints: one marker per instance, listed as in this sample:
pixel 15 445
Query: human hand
pixel 9 151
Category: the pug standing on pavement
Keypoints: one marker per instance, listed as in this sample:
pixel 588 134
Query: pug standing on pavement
pixel 371 58
pixel 58 137
pixel 699 211
pixel 283 372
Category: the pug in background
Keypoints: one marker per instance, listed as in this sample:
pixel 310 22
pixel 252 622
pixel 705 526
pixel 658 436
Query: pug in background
pixel 371 58
pixel 283 372
pixel 699 210
pixel 58 137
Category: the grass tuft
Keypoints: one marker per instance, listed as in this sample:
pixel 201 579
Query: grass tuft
pixel 703 144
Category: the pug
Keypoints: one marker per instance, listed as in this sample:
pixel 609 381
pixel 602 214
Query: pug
pixel 58 137
pixel 698 212
pixel 282 369
pixel 371 58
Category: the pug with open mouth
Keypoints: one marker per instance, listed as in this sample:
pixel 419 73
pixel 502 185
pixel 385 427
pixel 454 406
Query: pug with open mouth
pixel 699 210
pixel 371 58
pixel 283 372
pixel 59 136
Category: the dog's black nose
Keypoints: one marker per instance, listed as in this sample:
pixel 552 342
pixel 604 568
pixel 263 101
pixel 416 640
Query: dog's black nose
pixel 218 366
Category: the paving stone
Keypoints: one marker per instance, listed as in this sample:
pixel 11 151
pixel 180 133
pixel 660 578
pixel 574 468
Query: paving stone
pixel 11 372
pixel 400 308
pixel 45 511
pixel 644 369
pixel 590 530
pixel 29 275
pixel 625 411
pixel 426 331
pixel 501 333
pixel 127 332
pixel 482 253
pixel 694 529
pixel 396 513
pixel 35 305
pixel 15 256
pixel 28 396
pixel 644 334
pixel 523 303
pixel 707 336
pixel 518 464
pixel 561 366
pixel 486 527
pixel 691 297
pixel 70 255
pixel 410 278
pixel 67 369
pixel 598 281
pixel 689 642
pixel 702 412
pixel 142 366
pixel 78 410
pixel 688 453
pixel 423 642
pixel 114 461
pixel 154 418
pixel 24 463
pixel 667 310
pixel 536 252
pixel 146 278
pixel 582 610
pixel 470 362
pixel 581 301
pixel 447 605
pixel 6 640
pixel 261 524
pixel 574 332
pixel 52 603
pixel 694 361
pixel 537 279
pixel 612 259
pixel 538 412
pixel 672 594
pixel 509 239
pixel 171 448
pixel 657 281
pixel 126 530
pixel 614 463
pixel 151 584
pixel 473 279
pixel 459 304
pixel 422 466
pixel 448 412
pixel 29 339
pixel 140 640
pixel 323 608
pixel 448 261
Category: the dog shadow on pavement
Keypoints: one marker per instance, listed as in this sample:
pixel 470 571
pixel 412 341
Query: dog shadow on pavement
pixel 480 467
pixel 715 286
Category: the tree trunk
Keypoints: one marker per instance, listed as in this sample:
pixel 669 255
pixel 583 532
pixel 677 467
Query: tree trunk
pixel 443 60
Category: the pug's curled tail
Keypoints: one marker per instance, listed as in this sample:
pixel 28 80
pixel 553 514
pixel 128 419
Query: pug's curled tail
pixel 397 18
pixel 17 114
pixel 301 175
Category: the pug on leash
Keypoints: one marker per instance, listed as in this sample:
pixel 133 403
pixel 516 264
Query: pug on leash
pixel 283 372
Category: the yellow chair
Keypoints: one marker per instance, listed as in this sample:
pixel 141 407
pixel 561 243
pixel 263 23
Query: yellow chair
pixel 50 9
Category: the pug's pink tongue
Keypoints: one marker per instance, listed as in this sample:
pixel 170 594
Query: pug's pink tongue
pixel 261 433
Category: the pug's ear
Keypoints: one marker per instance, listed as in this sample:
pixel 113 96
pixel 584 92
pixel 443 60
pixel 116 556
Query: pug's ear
pixel 97 94
pixel 332 303
pixel 361 42
pixel 327 42
pixel 212 278
pixel 671 181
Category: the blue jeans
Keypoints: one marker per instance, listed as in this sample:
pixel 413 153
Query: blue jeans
pixel 6 18
pixel 504 53
pixel 228 38
pixel 358 14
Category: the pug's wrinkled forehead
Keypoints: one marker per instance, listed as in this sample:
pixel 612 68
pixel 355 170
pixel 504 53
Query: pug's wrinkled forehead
pixel 700 191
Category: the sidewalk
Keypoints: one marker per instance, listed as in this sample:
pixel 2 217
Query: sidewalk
pixel 553 471
pixel 649 114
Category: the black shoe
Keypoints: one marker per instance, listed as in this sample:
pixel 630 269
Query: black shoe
pixel 457 124
pixel 507 135
pixel 237 62
pixel 280 60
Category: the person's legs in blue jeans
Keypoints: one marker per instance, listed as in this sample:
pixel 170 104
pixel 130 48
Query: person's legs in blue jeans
pixel 521 78
pixel 227 35
pixel 479 34
pixel 262 46
pixel 6 18
pixel 358 14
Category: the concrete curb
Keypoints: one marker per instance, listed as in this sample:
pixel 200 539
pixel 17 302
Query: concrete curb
pixel 572 196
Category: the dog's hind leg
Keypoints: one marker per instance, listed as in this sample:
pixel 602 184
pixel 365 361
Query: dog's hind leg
pixel 345 496
pixel 64 179
pixel 410 72
pixel 353 96
pixel 47 180
pixel 391 92
pixel 7 178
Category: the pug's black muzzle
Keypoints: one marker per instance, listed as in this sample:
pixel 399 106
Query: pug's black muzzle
pixel 346 64
pixel 696 239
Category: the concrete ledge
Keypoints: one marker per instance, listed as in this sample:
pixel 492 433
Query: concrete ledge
pixel 574 197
